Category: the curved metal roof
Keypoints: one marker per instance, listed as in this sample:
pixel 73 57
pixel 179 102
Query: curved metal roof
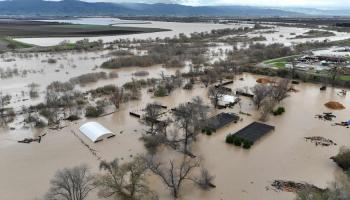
pixel 95 131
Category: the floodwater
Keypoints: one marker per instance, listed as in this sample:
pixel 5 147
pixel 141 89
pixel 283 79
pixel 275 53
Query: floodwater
pixel 175 27
pixel 33 68
pixel 282 34
pixel 285 35
pixel 240 174
pixel 97 21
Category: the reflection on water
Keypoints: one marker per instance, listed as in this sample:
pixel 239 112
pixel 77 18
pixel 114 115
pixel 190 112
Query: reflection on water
pixel 242 174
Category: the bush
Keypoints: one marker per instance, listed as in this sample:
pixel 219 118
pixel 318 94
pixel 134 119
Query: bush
pixel 160 91
pixel 279 111
pixel 237 141
pixel 93 111
pixel 207 131
pixel 51 61
pixel 343 158
pixel 188 86
pixel 230 139
pixel 247 144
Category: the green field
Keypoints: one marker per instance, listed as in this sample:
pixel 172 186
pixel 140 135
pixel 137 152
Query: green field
pixel 345 78
pixel 280 62
pixel 9 43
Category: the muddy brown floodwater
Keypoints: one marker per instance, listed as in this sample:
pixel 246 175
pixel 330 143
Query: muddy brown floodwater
pixel 26 169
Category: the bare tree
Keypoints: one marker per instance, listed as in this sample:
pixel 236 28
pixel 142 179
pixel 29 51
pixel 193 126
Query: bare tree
pixel 117 97
pixel 124 182
pixel 268 104
pixel 205 180
pixel 71 184
pixel 135 90
pixel 280 91
pixel 33 90
pixel 334 72
pixel 189 118
pixel 173 175
pixel 260 92
pixel 151 116
pixel 4 101
pixel 215 94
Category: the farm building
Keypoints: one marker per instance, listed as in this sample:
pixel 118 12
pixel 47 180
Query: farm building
pixel 221 120
pixel 95 131
pixel 254 131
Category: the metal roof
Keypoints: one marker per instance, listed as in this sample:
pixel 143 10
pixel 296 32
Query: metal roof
pixel 95 131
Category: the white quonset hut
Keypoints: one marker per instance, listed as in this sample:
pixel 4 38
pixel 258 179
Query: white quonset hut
pixel 95 131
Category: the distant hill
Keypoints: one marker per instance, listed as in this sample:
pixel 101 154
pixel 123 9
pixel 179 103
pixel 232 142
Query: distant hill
pixel 80 8
pixel 320 12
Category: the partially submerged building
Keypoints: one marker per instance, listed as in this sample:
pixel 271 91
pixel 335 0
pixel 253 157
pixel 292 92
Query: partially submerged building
pixel 253 131
pixel 220 120
pixel 228 100
pixel 95 131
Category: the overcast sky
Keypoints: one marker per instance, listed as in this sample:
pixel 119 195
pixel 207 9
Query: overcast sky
pixel 302 3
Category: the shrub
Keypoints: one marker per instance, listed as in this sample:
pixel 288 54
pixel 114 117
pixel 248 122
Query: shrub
pixel 52 61
pixel 237 141
pixel 278 111
pixel 230 139
pixel 207 131
pixel 247 144
pixel 188 86
pixel 93 111
pixel 343 158
pixel 160 91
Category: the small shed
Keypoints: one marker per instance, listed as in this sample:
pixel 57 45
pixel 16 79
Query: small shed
pixel 95 131
pixel 221 120
pixel 254 131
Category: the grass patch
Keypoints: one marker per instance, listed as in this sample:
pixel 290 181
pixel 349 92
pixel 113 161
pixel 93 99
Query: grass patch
pixel 345 78
pixel 13 44
pixel 280 62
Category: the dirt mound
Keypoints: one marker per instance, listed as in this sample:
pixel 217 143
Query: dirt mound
pixel 334 105
pixel 263 80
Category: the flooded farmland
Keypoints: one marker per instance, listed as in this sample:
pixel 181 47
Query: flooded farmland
pixel 283 154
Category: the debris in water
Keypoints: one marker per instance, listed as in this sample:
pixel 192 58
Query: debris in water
pixel 327 116
pixel 318 140
pixel 291 186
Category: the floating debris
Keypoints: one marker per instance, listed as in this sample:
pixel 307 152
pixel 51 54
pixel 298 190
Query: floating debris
pixel 291 186
pixel 318 140
pixel 344 124
pixel 30 140
pixel 327 116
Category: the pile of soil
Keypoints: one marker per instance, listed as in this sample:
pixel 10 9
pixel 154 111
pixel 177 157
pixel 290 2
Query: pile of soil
pixel 334 105
pixel 318 140
pixel 263 80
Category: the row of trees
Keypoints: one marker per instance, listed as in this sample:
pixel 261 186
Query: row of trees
pixel 267 95
pixel 126 181
pixel 188 119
